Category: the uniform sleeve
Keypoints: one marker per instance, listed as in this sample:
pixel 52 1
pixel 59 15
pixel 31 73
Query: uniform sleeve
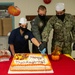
pixel 30 35
pixel 73 29
pixel 11 38
pixel 47 29
pixel 35 30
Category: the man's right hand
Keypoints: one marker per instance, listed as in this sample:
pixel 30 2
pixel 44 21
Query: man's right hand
pixel 42 48
pixel 43 51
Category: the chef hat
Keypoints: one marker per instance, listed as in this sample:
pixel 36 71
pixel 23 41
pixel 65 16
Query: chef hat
pixel 23 20
pixel 60 6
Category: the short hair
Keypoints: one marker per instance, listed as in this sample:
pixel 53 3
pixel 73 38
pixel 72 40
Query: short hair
pixel 42 7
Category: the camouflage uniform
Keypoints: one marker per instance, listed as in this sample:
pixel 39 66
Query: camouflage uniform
pixel 37 26
pixel 63 34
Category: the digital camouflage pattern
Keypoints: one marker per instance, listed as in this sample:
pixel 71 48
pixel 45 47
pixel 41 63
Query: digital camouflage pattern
pixel 63 34
pixel 37 26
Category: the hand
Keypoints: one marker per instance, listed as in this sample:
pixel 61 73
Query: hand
pixel 42 46
pixel 43 51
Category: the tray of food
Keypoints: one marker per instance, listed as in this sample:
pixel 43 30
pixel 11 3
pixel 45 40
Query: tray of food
pixel 5 55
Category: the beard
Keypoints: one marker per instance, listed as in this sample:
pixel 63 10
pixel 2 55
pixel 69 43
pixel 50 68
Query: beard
pixel 23 29
pixel 61 17
pixel 42 17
